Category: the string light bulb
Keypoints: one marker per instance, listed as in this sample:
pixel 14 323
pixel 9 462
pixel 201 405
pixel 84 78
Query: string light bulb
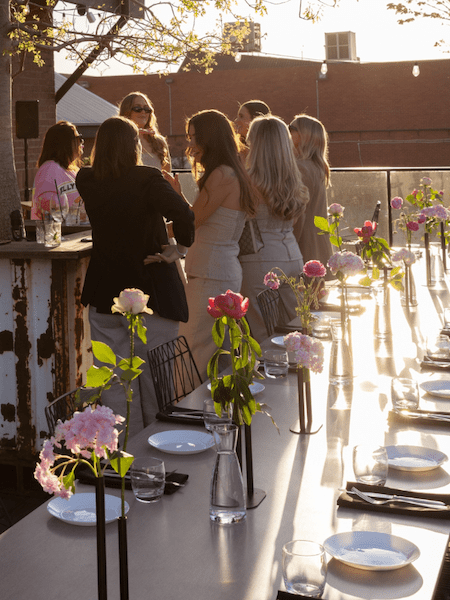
pixel 324 68
pixel 237 57
pixel 416 70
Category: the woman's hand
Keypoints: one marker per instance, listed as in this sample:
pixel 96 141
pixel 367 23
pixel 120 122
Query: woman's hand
pixel 173 180
pixel 169 255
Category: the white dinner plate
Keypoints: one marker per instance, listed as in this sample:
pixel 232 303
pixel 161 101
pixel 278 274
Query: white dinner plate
pixel 439 388
pixel 414 458
pixel 255 387
pixel 181 441
pixel 279 341
pixel 371 550
pixel 79 509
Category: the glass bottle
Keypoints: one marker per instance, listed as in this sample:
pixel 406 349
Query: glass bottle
pixel 227 500
pixel 382 326
pixel 408 297
pixel 341 364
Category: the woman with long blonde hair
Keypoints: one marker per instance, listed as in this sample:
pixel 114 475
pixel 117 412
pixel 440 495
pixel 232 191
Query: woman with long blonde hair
pixel 311 145
pixel 273 170
pixel 155 150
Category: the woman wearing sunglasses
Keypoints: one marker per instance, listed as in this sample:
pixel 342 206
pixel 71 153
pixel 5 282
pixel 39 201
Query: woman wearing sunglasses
pixel 58 164
pixel 155 150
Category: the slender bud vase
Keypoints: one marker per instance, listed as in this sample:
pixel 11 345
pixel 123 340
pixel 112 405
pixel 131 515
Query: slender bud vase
pixel 341 365
pixel 227 502
pixel 382 327
pixel 408 297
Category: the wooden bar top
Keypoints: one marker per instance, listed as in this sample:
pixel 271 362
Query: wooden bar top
pixel 73 248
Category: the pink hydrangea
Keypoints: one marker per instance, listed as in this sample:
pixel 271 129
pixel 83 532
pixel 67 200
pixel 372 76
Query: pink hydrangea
pixel 314 268
pixel 308 352
pixel 132 301
pixel 271 280
pixel 438 212
pixel 336 210
pixel 346 262
pixel 397 202
pixel 404 255
pixel 412 225
pixel 229 304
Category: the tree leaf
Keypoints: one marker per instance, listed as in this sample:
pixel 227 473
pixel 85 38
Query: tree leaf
pixel 98 376
pixel 103 353
pixel 126 460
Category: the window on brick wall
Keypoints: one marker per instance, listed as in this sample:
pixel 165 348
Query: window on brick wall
pixel 340 46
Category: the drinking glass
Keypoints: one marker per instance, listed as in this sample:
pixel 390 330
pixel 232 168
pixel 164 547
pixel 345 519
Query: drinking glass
pixel 370 464
pixel 322 327
pixel 52 234
pixel 304 568
pixel 211 418
pixel 40 231
pixel 276 363
pixel 148 479
pixel 438 347
pixel 447 318
pixel 404 393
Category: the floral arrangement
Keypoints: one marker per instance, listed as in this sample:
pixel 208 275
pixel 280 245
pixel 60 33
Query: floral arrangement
pixel 306 294
pixel 91 435
pixel 308 352
pixel 336 213
pixel 345 264
pixel 404 255
pixel 229 312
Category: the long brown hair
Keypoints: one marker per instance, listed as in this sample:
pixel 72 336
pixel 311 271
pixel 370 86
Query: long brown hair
pixel 157 142
pixel 313 143
pixel 61 143
pixel 220 145
pixel 117 148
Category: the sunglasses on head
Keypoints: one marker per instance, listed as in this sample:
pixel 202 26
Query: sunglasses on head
pixel 139 109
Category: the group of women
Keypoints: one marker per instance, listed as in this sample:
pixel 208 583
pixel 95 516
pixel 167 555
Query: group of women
pixel 260 185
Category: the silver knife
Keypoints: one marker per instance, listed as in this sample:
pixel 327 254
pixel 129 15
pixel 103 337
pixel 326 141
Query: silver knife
pixel 423 415
pixel 424 501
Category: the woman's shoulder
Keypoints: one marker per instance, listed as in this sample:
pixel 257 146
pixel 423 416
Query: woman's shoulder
pixel 221 175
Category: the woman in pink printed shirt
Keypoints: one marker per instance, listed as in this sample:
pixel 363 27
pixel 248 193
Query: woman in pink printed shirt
pixel 58 165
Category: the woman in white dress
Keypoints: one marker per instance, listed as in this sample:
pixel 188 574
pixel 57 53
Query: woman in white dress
pixel 272 167
pixel 226 197
pixel 155 150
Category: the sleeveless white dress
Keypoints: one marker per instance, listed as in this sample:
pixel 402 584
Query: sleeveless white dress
pixel 212 267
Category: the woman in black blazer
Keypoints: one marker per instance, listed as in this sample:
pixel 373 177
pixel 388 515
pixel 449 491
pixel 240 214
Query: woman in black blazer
pixel 126 204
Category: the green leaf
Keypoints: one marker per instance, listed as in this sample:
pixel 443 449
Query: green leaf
pixel 336 241
pixel 126 460
pixel 365 281
pixel 130 374
pixel 321 223
pixel 69 480
pixel 218 332
pixel 103 353
pixel 136 362
pixel 98 376
pixel 141 330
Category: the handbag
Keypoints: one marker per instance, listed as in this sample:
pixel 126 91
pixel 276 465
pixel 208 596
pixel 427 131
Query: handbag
pixel 251 240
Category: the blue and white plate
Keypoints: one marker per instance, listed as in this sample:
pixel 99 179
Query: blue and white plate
pixel 79 509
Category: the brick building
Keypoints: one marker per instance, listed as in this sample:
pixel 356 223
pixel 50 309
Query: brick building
pixel 377 114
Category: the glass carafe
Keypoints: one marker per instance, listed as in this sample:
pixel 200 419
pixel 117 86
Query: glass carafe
pixel 341 364
pixel 227 501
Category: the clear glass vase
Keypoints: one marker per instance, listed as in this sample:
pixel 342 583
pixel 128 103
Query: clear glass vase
pixel 382 326
pixel 227 500
pixel 408 297
pixel 341 364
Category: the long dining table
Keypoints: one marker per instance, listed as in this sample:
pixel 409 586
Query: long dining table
pixel 175 551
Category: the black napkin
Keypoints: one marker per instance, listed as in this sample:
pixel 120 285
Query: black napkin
pixel 180 417
pixel 352 501
pixel 287 595
pixel 85 475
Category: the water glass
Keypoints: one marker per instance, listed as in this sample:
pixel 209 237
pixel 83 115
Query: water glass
pixel 148 479
pixel 370 464
pixel 322 328
pixel 404 393
pixel 211 418
pixel 40 231
pixel 52 234
pixel 304 568
pixel 438 347
pixel 276 363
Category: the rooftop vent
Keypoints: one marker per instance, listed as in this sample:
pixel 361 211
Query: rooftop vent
pixel 341 46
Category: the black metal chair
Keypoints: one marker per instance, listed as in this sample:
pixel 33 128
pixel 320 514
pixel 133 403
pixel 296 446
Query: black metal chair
pixel 63 407
pixel 174 372
pixel 273 312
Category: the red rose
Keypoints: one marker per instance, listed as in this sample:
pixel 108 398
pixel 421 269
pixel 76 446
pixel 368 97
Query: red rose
pixel 314 268
pixel 229 304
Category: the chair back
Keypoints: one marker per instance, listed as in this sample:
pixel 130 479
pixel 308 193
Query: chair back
pixel 64 407
pixel 273 311
pixel 174 372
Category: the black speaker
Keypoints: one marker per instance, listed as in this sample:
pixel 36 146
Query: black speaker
pixel 27 119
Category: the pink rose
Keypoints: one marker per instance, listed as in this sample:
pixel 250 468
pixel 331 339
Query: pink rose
pixel 131 301
pixel 230 304
pixel 336 210
pixel 412 226
pixel 425 181
pixel 271 280
pixel 367 231
pixel 397 202
pixel 314 268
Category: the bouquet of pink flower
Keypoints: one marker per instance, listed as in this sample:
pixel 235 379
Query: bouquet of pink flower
pixel 306 293
pixel 229 311
pixel 308 352
pixel 345 264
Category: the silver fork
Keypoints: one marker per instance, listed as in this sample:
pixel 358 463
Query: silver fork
pixel 394 498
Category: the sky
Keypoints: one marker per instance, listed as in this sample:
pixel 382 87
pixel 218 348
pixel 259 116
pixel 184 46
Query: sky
pixel 379 37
